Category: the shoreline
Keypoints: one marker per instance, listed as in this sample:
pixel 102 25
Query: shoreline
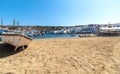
pixel 78 37
pixel 61 55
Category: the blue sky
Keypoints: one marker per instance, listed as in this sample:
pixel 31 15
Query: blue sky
pixel 60 12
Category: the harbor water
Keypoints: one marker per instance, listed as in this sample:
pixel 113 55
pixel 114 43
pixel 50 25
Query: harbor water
pixel 55 36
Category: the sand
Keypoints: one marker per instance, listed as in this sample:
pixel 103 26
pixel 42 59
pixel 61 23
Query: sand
pixel 93 55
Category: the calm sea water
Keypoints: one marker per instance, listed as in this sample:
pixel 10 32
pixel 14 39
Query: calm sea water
pixel 55 36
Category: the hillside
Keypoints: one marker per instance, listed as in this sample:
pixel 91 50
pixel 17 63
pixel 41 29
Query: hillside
pixel 94 55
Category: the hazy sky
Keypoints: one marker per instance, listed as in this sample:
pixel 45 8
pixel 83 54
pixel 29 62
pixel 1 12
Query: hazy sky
pixel 60 12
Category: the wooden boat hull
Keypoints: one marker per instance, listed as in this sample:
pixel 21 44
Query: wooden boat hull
pixel 16 40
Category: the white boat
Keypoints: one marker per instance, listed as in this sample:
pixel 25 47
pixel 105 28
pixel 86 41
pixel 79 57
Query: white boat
pixel 109 30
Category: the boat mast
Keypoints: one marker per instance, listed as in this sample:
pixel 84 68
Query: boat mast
pixel 1 21
pixel 109 25
pixel 14 23
pixel 17 23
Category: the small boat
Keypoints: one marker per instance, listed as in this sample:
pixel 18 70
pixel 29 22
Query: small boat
pixel 16 40
pixel 109 31
pixel 72 35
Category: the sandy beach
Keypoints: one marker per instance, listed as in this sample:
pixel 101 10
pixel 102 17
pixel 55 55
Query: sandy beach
pixel 93 55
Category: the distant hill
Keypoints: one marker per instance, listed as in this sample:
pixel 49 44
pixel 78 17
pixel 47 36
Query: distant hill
pixel 39 28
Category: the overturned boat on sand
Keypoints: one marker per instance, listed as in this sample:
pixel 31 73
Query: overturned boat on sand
pixel 16 40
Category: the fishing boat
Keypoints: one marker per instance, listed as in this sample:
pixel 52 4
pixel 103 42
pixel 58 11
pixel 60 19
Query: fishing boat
pixel 16 40
pixel 109 30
